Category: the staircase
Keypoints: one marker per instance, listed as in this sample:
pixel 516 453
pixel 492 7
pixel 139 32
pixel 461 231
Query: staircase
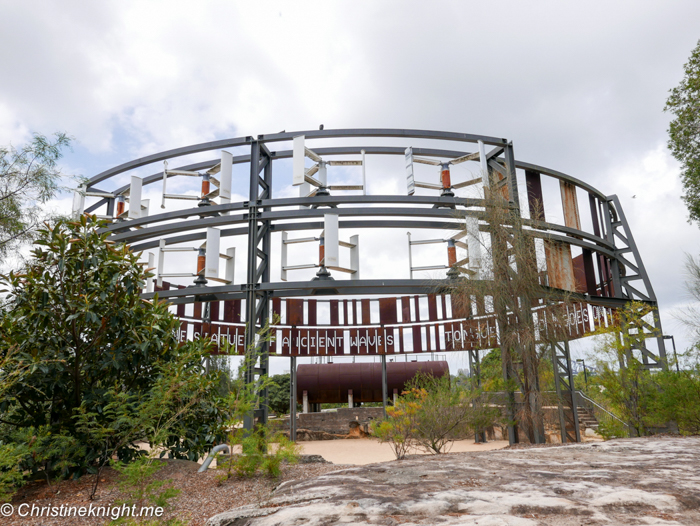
pixel 586 418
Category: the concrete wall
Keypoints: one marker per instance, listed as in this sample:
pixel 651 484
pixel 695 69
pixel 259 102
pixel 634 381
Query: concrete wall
pixel 338 422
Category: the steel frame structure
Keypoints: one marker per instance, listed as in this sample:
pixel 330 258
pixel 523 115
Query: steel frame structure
pixel 608 248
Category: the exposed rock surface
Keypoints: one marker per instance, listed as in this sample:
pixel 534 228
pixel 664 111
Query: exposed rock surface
pixel 631 481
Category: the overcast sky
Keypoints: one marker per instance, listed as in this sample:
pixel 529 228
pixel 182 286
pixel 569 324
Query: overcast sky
pixel 578 87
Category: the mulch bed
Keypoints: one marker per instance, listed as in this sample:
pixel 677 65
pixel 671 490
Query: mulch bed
pixel 202 494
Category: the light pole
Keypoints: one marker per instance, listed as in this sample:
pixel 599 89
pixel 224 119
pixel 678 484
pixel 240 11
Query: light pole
pixel 675 356
pixel 585 373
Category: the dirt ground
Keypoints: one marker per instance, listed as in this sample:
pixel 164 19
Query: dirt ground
pixel 368 450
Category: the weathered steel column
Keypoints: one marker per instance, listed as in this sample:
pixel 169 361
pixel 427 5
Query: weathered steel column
pixel 293 399
pixel 258 271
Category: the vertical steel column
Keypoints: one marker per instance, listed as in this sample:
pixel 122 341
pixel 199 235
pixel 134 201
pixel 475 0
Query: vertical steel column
pixel 512 178
pixel 258 271
pixel 293 399
pixel 566 393
pixel 384 387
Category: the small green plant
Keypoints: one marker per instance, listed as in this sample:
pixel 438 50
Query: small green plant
pixel 263 451
pixel 139 485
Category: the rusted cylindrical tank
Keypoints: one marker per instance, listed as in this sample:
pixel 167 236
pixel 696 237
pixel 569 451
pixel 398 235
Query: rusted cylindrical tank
pixel 329 383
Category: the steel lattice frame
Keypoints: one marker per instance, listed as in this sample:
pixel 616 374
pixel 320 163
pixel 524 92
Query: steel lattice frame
pixel 621 273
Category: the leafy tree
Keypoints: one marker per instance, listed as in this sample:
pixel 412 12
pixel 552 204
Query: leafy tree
pixel 103 368
pixel 28 177
pixel 278 394
pixel 684 131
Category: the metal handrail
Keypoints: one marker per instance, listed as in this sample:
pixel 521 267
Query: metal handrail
pixel 579 393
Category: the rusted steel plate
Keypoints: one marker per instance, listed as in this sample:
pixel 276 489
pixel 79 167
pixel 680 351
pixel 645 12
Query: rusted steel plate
pixel 295 312
pixel 560 269
pixel 214 310
pixel 569 203
pixel 232 311
pixel 330 383
pixel 365 312
pixel 387 311
pixel 406 309
pixel 535 198
pixel 197 310
pixel 432 307
pixel 311 312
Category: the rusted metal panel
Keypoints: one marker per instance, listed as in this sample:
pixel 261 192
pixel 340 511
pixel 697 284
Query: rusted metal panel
pixel 165 286
pixel 365 312
pixel 405 309
pixel 329 383
pixel 572 219
pixel 417 339
pixel 589 272
pixel 197 310
pixel 276 309
pixel 432 308
pixel 232 311
pixel 295 312
pixel 579 274
pixel 488 332
pixel 387 311
pixel 214 310
pixel 417 308
pixel 535 198
pixel 560 269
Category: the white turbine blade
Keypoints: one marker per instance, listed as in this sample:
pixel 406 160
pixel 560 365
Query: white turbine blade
pixel 422 160
pixel 78 201
pixel 161 262
pixel 428 185
pixel 135 197
pixel 473 242
pixel 331 242
pixel 464 158
pixel 410 183
pixel 165 181
pixel 344 163
pixel 230 268
pixel 225 177
pixel 186 173
pixel 484 164
pixel 151 266
pixel 211 262
pixel 355 256
pixel 298 161
pixel 364 175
